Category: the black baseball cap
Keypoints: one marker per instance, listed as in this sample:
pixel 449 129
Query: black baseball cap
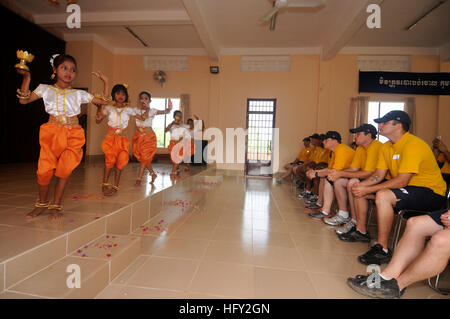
pixel 306 139
pixel 400 116
pixel 334 135
pixel 316 136
pixel 366 128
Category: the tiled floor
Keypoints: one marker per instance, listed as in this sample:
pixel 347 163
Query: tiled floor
pixel 247 239
pixel 82 201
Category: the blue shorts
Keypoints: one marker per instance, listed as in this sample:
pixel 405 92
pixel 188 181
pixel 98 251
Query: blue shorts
pixel 436 216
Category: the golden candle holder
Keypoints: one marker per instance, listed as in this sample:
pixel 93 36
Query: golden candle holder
pixel 24 57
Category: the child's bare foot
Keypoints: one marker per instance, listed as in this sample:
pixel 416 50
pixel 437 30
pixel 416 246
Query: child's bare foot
pixel 138 182
pixel 154 176
pixel 55 212
pixel 114 189
pixel 38 209
pixel 106 190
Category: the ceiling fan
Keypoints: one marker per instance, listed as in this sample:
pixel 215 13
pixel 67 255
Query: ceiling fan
pixel 279 4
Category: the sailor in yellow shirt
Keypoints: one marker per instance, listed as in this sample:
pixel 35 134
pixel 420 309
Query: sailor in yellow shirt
pixel 363 165
pixel 442 154
pixel 416 181
pixel 341 159
pixel 318 159
pixel 303 156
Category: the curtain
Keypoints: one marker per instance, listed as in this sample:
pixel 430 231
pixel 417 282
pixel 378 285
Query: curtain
pixel 184 107
pixel 410 108
pixel 359 107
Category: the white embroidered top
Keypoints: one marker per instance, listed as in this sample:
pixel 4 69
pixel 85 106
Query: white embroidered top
pixel 62 102
pixel 178 131
pixel 149 121
pixel 198 124
pixel 118 117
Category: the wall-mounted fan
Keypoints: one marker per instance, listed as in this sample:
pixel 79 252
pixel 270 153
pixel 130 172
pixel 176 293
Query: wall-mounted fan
pixel 280 4
pixel 160 77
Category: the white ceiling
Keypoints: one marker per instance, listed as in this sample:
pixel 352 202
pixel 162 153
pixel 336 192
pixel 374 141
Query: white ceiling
pixel 217 26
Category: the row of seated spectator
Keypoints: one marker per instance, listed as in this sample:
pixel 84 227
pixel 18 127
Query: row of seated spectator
pixel 402 173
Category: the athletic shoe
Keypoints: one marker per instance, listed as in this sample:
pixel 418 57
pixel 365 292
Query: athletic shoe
pixel 336 220
pixel 317 215
pixel 313 206
pixel 376 255
pixel 350 225
pixel 312 199
pixel 355 236
pixel 304 194
pixel 279 180
pixel 376 288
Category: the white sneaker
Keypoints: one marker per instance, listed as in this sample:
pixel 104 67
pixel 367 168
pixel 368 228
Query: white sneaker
pixel 346 228
pixel 336 220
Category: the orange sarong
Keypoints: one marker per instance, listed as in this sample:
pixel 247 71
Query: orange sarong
pixel 116 148
pixel 177 155
pixel 144 146
pixel 61 151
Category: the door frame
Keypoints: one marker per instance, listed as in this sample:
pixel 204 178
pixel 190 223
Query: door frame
pixel 274 100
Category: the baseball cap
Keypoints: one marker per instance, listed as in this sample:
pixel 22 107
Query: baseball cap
pixel 400 116
pixel 316 136
pixel 366 128
pixel 334 135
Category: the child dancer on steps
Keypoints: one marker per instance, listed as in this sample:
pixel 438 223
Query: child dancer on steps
pixel 61 138
pixel 116 144
pixel 144 140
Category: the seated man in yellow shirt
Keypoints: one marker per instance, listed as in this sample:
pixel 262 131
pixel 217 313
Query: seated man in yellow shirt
pixel 318 160
pixel 341 159
pixel 416 181
pixel 442 154
pixel 363 165
pixel 302 157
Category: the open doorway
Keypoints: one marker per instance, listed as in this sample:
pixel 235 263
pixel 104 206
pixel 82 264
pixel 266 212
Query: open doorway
pixel 259 140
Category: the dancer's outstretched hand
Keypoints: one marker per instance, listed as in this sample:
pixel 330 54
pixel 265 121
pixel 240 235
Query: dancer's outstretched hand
pixel 100 75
